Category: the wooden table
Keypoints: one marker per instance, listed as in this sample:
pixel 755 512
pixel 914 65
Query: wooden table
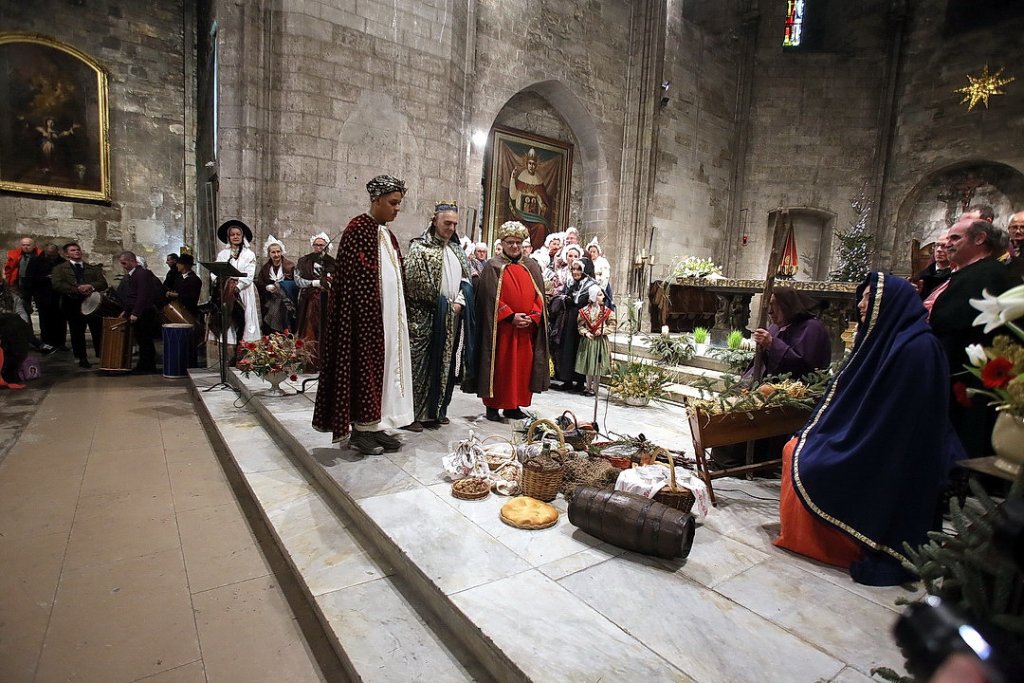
pixel 725 429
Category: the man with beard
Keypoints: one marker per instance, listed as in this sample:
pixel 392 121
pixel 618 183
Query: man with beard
pixel 438 293
pixel 512 326
pixel 312 275
pixel 366 372
pixel 74 280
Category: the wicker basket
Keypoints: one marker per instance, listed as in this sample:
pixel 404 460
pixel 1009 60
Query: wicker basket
pixel 579 436
pixel 674 496
pixel 539 483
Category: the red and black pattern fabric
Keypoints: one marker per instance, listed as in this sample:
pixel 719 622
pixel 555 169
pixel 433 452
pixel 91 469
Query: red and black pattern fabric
pixel 352 350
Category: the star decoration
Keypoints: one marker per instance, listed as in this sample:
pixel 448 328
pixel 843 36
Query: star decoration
pixel 982 87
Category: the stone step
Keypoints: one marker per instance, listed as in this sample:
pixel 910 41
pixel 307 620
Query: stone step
pixel 485 582
pixel 376 624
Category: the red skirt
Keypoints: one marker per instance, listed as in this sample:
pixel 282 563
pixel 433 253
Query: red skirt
pixel 804 533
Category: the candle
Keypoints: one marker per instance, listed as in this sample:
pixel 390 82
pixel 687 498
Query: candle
pixel 643 253
pixel 664 330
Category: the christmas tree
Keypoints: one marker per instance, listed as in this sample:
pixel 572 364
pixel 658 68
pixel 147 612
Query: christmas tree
pixel 856 247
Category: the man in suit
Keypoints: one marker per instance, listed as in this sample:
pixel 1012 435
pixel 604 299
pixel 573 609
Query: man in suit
pixel 140 301
pixel 74 280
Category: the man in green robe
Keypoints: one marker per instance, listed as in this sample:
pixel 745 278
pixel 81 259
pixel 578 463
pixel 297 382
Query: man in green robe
pixel 439 301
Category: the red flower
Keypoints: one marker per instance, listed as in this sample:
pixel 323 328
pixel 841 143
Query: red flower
pixel 286 332
pixel 960 392
pixel 299 343
pixel 997 373
pixel 294 378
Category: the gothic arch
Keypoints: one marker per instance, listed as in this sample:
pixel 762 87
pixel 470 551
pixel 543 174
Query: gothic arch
pixel 938 198
pixel 597 179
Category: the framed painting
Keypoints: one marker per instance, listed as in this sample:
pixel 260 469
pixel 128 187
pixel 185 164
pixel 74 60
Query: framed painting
pixel 53 120
pixel 527 180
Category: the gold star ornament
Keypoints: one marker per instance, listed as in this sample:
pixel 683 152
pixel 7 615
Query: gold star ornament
pixel 982 87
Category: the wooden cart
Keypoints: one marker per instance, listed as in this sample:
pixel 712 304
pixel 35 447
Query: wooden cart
pixel 725 429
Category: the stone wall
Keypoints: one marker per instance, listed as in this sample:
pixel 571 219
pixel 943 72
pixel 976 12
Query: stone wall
pixel 145 47
pixel 813 123
pixel 935 131
pixel 695 144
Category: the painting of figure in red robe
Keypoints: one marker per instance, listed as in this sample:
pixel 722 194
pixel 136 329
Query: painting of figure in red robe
pixel 527 180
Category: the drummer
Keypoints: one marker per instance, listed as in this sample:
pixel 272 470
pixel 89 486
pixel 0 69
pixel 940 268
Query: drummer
pixel 187 287
pixel 74 280
pixel 140 301
pixel 276 284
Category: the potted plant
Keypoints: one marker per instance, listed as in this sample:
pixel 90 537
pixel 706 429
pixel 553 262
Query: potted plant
pixel 700 340
pixel 735 340
pixel 632 380
pixel 671 350
pixel 695 267
pixel 274 358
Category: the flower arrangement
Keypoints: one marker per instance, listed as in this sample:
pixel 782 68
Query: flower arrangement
pixel 280 352
pixel 1000 367
pixel 695 266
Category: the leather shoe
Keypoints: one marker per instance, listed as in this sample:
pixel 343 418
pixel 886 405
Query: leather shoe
pixel 444 420
pixel 515 414
pixel 84 363
pixel 389 443
pixel 415 426
pixel 363 442
pixel 493 415
pixel 432 424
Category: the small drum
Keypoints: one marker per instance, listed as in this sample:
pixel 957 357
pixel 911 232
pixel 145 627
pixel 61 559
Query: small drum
pixel 103 303
pixel 177 349
pixel 116 345
pixel 176 313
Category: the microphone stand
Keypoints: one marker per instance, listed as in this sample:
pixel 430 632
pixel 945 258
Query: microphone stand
pixel 223 271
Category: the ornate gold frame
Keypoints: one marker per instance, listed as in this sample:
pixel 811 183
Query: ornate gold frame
pixel 44 148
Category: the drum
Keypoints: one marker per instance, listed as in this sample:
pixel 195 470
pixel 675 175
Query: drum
pixel 116 345
pixel 177 349
pixel 176 313
pixel 102 302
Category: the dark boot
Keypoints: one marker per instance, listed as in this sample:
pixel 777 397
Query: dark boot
pixel 389 443
pixel 493 415
pixel 515 414
pixel 365 443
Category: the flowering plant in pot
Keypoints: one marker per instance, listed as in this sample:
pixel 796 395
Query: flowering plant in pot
pixel 1000 370
pixel 275 357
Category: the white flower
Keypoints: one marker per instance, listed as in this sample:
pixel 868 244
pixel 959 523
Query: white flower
pixel 976 355
pixel 999 310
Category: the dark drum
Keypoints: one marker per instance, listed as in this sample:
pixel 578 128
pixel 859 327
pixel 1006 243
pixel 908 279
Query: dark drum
pixel 633 522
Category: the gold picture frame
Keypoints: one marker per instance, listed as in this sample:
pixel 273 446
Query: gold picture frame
pixel 537 195
pixel 53 120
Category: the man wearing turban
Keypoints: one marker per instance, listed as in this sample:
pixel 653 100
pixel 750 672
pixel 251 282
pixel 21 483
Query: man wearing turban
pixel 366 372
pixel 513 326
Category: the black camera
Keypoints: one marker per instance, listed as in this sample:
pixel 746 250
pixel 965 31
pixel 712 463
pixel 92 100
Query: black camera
pixel 931 631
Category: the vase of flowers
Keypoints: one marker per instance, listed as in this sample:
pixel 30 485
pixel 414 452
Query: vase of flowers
pixel 1000 368
pixel 275 358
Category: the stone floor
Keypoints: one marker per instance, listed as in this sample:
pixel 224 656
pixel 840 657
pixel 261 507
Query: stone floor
pixel 559 604
pixel 125 551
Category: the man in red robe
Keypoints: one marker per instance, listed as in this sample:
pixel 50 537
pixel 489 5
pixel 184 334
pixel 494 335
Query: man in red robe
pixel 513 327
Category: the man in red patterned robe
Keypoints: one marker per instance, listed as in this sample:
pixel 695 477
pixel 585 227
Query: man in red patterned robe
pixel 366 373
pixel 513 327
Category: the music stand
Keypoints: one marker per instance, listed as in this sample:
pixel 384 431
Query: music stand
pixel 223 271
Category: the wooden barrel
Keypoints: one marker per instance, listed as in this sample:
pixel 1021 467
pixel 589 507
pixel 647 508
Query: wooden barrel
pixel 633 522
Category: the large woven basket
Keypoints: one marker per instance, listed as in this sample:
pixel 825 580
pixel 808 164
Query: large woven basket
pixel 576 435
pixel 539 483
pixel 674 496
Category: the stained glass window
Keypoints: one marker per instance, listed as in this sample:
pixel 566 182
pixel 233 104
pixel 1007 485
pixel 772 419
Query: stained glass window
pixel 794 23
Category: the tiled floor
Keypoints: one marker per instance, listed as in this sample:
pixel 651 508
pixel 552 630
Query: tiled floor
pixel 124 552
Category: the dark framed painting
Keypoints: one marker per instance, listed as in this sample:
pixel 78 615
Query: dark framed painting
pixel 527 180
pixel 53 119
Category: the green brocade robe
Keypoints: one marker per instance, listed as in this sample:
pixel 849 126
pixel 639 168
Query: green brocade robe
pixel 436 332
